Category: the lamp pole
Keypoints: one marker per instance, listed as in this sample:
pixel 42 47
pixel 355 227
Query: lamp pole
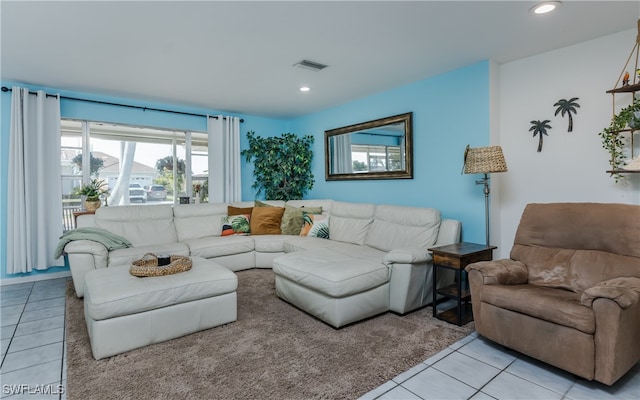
pixel 485 181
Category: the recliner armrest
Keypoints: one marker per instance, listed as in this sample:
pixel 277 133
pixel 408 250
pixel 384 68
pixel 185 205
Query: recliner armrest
pixel 501 272
pixel 407 255
pixel 85 246
pixel 624 290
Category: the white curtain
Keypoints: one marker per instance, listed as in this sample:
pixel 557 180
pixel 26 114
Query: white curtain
pixel 341 154
pixel 224 159
pixel 34 204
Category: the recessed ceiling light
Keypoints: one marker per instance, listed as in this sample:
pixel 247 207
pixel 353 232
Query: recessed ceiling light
pixel 305 89
pixel 546 7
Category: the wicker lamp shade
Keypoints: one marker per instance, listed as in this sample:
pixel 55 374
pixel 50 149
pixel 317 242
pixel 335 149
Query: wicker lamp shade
pixel 484 160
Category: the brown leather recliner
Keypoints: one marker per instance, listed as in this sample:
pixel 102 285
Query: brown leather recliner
pixel 570 293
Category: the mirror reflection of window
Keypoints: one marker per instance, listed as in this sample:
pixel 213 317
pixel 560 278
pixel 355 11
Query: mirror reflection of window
pixel 378 149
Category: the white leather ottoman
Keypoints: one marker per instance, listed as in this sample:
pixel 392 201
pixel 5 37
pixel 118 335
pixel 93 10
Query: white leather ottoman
pixel 124 312
pixel 337 288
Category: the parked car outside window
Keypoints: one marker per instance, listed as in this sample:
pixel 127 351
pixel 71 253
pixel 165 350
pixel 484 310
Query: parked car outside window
pixel 137 193
pixel 156 192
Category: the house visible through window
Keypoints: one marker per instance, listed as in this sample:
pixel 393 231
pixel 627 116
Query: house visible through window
pixel 140 165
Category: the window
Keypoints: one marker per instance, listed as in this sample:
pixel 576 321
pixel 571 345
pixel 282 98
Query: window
pixel 131 160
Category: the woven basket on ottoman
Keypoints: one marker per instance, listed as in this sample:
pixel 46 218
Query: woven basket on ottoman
pixel 124 312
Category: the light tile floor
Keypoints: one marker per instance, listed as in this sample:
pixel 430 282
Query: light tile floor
pixel 32 337
pixel 34 364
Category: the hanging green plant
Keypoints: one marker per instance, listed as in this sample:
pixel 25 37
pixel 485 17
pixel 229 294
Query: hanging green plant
pixel 613 142
pixel 282 165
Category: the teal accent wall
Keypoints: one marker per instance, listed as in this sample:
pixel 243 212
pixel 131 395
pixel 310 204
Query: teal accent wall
pixel 449 111
pixel 115 114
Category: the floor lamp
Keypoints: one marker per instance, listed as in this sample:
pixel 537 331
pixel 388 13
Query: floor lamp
pixel 484 160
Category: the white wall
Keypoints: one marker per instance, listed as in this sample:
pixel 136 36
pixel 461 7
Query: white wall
pixel 571 166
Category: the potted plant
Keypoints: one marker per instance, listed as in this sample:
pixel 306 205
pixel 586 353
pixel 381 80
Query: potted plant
pixel 282 165
pixel 93 191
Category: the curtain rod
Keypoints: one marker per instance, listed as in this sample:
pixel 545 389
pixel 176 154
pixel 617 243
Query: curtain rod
pixel 6 89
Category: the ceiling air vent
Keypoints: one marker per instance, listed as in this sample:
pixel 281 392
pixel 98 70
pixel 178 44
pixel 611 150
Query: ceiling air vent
pixel 306 64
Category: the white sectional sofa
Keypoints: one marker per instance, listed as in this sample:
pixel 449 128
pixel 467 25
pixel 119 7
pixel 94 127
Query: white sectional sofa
pixel 392 240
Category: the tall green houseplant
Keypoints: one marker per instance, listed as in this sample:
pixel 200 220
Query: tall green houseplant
pixel 282 165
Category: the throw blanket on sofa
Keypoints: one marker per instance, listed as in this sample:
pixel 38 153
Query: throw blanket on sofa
pixel 110 240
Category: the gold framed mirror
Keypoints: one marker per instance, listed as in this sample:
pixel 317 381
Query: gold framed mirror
pixel 378 149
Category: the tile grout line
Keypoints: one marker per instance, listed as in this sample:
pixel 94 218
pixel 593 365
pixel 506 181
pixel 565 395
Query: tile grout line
pixel 520 377
pixel 4 356
pixel 453 377
pixel 504 370
pixel 29 349
pixel 64 349
pixel 417 373
pixel 564 396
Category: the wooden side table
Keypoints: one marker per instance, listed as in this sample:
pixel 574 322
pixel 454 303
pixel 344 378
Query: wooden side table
pixel 76 214
pixel 456 257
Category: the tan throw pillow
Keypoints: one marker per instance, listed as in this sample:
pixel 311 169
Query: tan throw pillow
pixel 292 219
pixel 231 210
pixel 266 220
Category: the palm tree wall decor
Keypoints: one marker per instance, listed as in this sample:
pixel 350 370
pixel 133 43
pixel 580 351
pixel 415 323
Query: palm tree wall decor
pixel 540 128
pixel 567 107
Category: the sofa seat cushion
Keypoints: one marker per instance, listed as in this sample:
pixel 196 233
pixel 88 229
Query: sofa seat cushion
pixel 127 256
pixel 269 243
pixel 114 292
pixel 330 272
pixel 293 244
pixel 558 306
pixel 218 246
pixel 298 243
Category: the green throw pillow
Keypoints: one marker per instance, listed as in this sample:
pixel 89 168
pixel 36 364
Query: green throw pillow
pixel 292 219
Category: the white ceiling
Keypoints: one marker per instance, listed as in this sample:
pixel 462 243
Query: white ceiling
pixel 238 56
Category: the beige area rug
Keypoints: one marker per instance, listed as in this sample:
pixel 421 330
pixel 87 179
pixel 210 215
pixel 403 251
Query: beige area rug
pixel 273 351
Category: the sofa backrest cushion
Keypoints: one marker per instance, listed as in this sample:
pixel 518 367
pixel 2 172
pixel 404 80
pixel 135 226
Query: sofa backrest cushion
pixel 258 203
pixel 397 226
pixel 194 221
pixel 324 203
pixel 141 225
pixel 350 222
pixel 231 210
pixel 574 246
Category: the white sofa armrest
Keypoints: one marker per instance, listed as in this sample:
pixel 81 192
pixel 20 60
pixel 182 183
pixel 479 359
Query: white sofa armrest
pixel 84 256
pixel 411 284
pixel 408 255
